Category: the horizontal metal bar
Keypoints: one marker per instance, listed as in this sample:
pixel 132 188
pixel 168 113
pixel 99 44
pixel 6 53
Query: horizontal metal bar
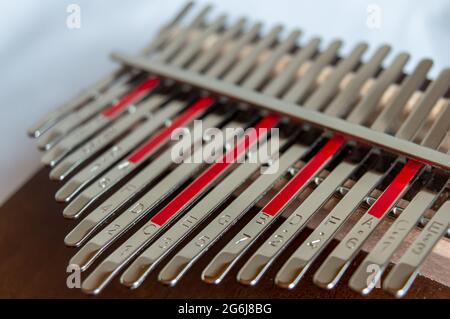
pixel 294 112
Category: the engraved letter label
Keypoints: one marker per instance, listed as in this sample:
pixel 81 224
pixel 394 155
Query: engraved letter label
pixel 103 182
pixel 126 249
pixel 277 240
pixel 164 243
pixel 262 219
pixel 105 208
pixel 224 219
pixel 188 221
pixel 242 239
pixel 113 229
pixel 137 208
pixel 432 230
pixel 373 280
pixel 295 219
pixel 364 226
pixel 400 228
pixel 202 241
pixel 149 229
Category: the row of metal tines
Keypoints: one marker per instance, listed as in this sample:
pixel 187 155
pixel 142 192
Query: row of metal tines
pixel 113 145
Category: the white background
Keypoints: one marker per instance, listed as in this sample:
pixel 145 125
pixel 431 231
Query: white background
pixel 43 63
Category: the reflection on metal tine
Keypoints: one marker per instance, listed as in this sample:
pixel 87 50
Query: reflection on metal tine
pixel 173 271
pixel 100 120
pixel 322 95
pixel 106 136
pixel 94 247
pixel 105 210
pixel 207 57
pixel 176 206
pixel 87 129
pixel 244 66
pixel 227 60
pixel 47 121
pixel 365 109
pixel 290 72
pixel 345 100
pixel 304 85
pixel 175 45
pixel 379 257
pixel 110 178
pixel 186 55
pixel 266 254
pixel 388 118
pixel 113 154
pixel 340 258
pixel 439 129
pixel 142 266
pixel 417 117
pixel 228 256
pixel 68 123
pixel 256 78
pixel 300 261
pixel 401 277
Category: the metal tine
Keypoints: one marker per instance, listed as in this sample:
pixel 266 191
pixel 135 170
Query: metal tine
pixel 48 120
pixel 166 28
pixel 328 89
pixel 144 264
pixel 295 267
pixel 263 258
pixel 290 72
pixel 300 89
pixel 111 132
pixel 104 273
pixel 300 261
pixel 332 269
pixel 115 152
pixel 439 129
pixel 418 115
pixel 146 110
pixel 134 160
pixel 201 64
pixel 173 49
pixel 88 225
pixel 223 262
pixel 244 66
pixel 379 257
pixel 83 200
pixel 226 61
pixel 341 105
pixel 256 81
pixel 366 107
pixel 381 254
pixel 164 188
pixel 170 275
pixel 123 147
pixel 72 120
pixel 213 199
pixel 196 46
pixel 68 133
pixel 234 250
pixel 389 117
pixel 191 252
pixel 401 277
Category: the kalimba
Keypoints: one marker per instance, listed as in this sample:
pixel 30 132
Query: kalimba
pixel 360 155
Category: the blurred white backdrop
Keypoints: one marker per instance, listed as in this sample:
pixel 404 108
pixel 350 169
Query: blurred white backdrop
pixel 44 63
